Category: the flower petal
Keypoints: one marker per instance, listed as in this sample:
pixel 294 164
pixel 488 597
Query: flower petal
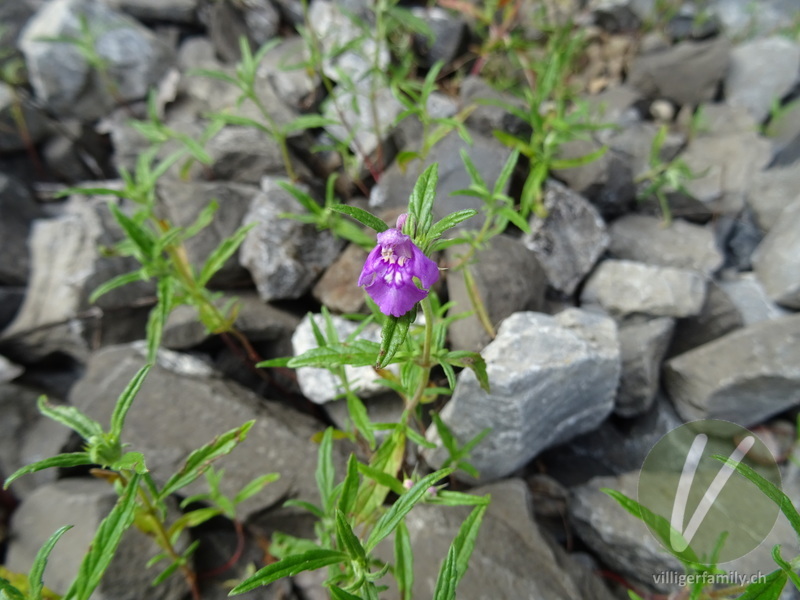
pixel 424 268
pixel 395 300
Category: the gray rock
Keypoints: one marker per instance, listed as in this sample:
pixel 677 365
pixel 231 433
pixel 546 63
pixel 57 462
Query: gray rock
pixel 181 202
pixel 615 447
pixel 384 408
pixel 718 317
pixel 716 118
pixel 355 122
pixel 623 287
pixel 67 266
pixel 687 73
pixel 739 236
pixel 193 407
pixel 448 35
pixel 740 20
pixel 11 299
pixel 508 278
pixel 66 82
pixel 255 20
pixel 83 503
pixel 320 385
pixel 620 539
pixel 552 378
pixel 8 370
pixel 682 245
pixel 338 287
pixel 760 71
pixel 569 240
pixel 284 256
pixel 183 12
pixel 256 319
pixel 783 130
pixel 642 348
pixel 27 437
pixel 744 377
pixel 487 154
pixel 35 123
pixel 512 557
pixel 725 166
pixel 771 191
pixel 337 27
pixel 615 16
pixel 18 209
pixel 245 155
pixel 748 295
pixel 776 261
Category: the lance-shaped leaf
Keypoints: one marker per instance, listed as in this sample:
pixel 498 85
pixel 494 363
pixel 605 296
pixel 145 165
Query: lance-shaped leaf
pixel 362 216
pixel 35 584
pixel 395 330
pixel 420 205
pixel 70 416
pixel 73 459
pixel 289 566
pixel 125 401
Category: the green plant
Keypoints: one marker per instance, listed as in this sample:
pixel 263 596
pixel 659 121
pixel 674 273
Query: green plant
pixel 663 177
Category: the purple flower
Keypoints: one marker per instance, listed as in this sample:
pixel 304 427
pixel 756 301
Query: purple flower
pixel 388 274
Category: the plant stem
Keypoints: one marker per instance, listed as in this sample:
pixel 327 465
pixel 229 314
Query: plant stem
pixel 425 362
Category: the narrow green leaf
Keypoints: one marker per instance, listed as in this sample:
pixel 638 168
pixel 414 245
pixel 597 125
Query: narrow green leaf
pixel 362 216
pixel 349 488
pixel 195 149
pixel 136 233
pixel 382 478
pixel 451 221
pixel 116 282
pixel 240 121
pixel 505 173
pixel 158 316
pixel 420 205
pixel 448 498
pixel 447 437
pixel 347 539
pixel 787 568
pixel 474 175
pixel 769 587
pixel 203 220
pixel 395 330
pixel 199 460
pixel 418 439
pixel 388 459
pixel 769 489
pixel 162 577
pixel 289 566
pixel 360 417
pixel 325 474
pixel 571 163
pixel 464 542
pixel 314 510
pixel 71 417
pixel 217 259
pixel 192 519
pixel 310 121
pixel 105 544
pixel 513 142
pixel 339 594
pixel 448 578
pixel 125 401
pixel 360 353
pixel 255 486
pixel 389 520
pixel 214 75
pixel 473 361
pixel 403 562
pixel 35 583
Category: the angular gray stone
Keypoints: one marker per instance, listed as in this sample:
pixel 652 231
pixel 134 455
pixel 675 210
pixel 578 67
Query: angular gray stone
pixel 284 256
pixel 83 503
pixel 182 405
pixel 449 33
pixel 11 299
pixel 487 154
pixel 486 115
pixel 719 316
pixel 320 385
pixel 508 278
pixel 569 240
pixel 744 377
pixel 642 348
pixel 740 20
pixel 67 266
pixel 337 29
pixel 725 166
pixel 245 155
pixel 293 84
pixel 255 20
pixel 776 261
pixel 771 191
pixel 338 287
pixel 760 71
pixel 552 378
pixel 257 320
pixel 8 370
pixel 748 295
pixel 174 11
pixel 181 202
pixel 687 73
pixel 623 287
pixel 682 245
pixel 512 558
pixel 63 79
pixel 18 209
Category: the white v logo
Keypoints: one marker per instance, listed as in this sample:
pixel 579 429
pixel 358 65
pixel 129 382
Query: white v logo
pixel 678 538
